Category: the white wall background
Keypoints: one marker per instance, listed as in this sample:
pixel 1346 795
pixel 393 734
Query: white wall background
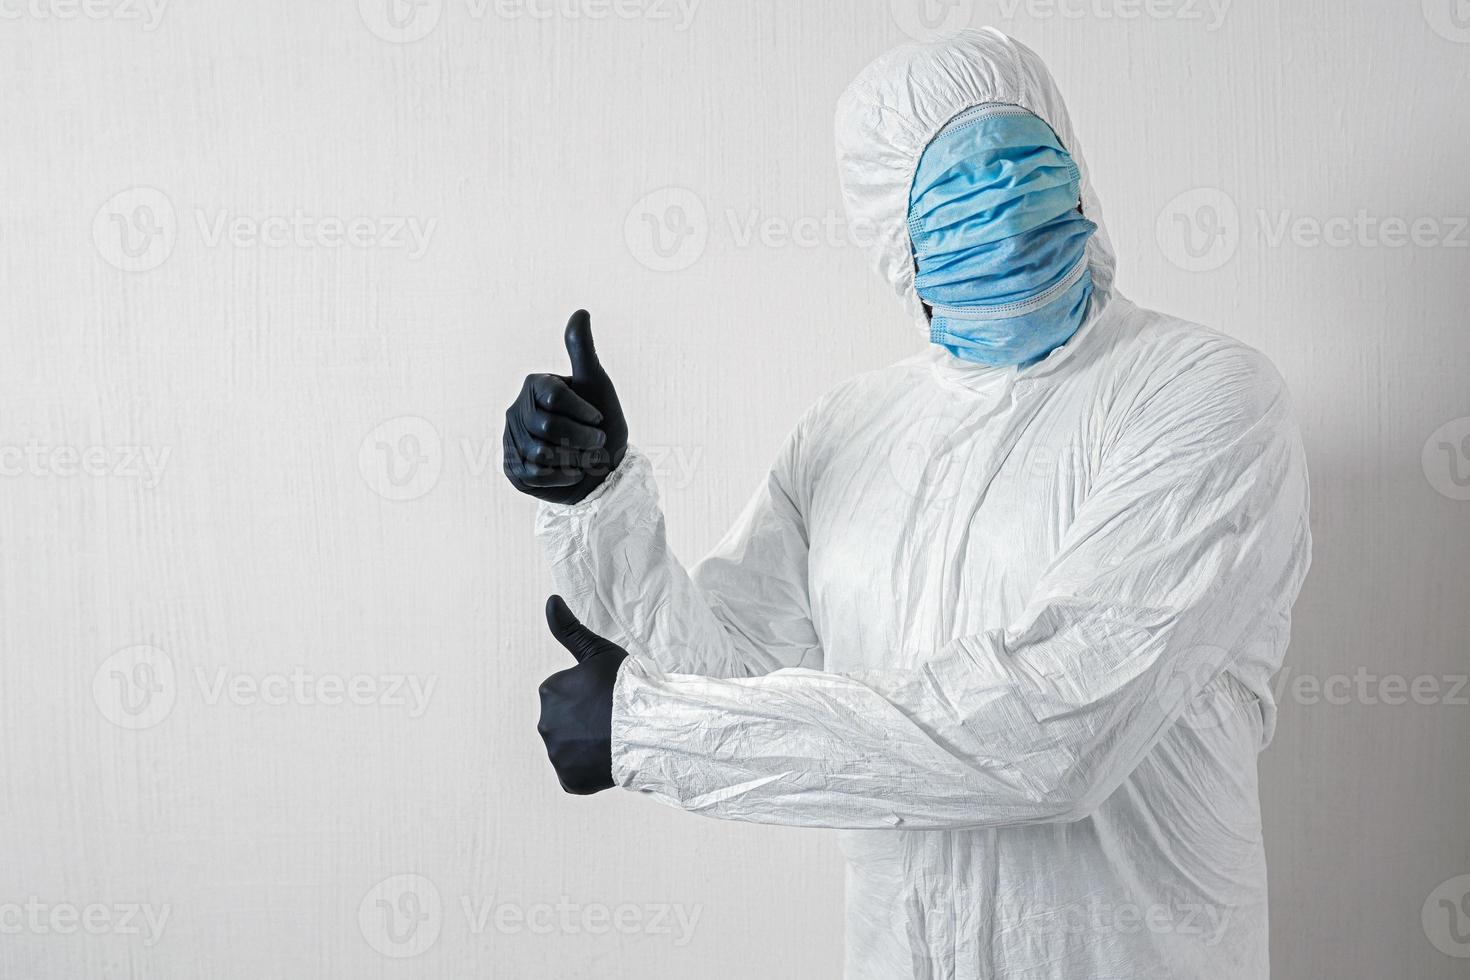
pixel 522 145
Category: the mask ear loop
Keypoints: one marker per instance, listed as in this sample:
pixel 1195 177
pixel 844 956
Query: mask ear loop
pixel 914 248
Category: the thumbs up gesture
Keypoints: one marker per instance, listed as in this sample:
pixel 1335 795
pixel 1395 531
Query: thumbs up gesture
pixel 565 434
pixel 576 704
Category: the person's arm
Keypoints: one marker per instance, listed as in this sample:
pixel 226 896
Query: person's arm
pixel 744 609
pixel 742 612
pixel 1192 542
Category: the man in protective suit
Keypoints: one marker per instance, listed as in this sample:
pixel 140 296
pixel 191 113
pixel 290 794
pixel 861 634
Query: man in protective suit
pixel 1004 612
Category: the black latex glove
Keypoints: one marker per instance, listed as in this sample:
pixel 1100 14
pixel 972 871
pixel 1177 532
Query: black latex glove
pixel 576 704
pixel 565 435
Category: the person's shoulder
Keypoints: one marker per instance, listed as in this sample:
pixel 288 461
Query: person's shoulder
pixel 1167 360
pixel 850 406
pixel 869 389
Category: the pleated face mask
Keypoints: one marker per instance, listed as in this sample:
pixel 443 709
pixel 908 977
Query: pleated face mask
pixel 999 239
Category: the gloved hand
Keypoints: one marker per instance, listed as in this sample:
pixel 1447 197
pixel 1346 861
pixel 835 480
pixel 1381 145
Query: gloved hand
pixel 576 704
pixel 565 435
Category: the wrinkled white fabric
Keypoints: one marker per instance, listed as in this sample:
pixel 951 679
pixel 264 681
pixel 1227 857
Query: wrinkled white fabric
pixel 1011 629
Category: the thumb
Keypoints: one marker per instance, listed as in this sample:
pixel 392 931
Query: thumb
pixel 580 349
pixel 569 631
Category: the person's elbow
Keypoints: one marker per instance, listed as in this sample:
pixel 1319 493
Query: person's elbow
pixel 1076 794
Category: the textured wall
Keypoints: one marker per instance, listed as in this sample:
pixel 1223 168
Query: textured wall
pixel 270 272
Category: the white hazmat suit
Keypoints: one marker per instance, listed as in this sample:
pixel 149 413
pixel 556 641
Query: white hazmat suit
pixel 1010 629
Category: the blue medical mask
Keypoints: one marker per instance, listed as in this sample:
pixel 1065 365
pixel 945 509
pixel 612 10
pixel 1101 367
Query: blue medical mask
pixel 999 239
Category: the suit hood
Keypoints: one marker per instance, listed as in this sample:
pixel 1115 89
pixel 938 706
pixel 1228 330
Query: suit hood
pixel 895 107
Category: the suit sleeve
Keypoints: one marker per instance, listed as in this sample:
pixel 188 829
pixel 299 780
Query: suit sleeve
pixel 741 612
pixel 1192 539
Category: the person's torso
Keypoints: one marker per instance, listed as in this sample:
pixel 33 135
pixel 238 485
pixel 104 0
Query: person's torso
pixel 937 498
